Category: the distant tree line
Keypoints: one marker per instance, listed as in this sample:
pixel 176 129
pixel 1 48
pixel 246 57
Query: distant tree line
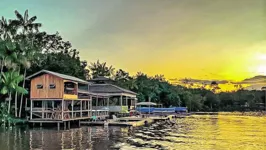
pixel 202 97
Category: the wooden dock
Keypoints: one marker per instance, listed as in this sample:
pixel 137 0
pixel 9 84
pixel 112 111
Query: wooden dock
pixel 102 123
pixel 128 121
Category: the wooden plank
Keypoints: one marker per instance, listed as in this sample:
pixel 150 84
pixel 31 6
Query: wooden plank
pixel 46 92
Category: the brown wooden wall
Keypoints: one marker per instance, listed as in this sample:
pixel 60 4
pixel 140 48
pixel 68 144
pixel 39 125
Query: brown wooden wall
pixel 46 92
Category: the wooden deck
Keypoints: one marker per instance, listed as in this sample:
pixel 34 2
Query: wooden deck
pixel 40 120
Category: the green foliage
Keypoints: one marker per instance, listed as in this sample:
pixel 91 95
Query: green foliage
pixel 9 83
pixel 101 69
pixel 6 118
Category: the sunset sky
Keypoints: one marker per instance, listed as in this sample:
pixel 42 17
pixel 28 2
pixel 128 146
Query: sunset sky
pixel 200 39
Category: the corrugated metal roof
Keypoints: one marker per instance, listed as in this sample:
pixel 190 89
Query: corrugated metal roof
pixel 63 76
pixel 108 88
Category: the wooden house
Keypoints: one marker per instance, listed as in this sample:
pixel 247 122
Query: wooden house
pixel 59 97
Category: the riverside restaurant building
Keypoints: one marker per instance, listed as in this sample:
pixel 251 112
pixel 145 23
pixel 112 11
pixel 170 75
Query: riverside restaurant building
pixel 59 98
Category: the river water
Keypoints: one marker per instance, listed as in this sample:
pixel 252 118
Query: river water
pixel 202 132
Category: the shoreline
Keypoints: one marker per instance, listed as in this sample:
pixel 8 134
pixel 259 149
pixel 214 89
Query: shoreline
pixel 235 113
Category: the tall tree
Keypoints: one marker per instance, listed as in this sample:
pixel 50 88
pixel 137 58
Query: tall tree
pixel 26 23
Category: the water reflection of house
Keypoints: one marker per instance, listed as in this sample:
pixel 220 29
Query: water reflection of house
pixel 62 98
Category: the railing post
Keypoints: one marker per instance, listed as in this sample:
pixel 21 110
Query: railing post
pixel 88 107
pixel 72 112
pixel 121 100
pixel 108 102
pixel 42 109
pixel 62 114
pixel 126 100
pixel 80 108
pixel 96 101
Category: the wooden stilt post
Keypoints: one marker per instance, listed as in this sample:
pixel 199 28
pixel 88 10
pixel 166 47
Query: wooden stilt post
pixel 42 109
pixel 58 126
pixel 96 101
pixel 121 100
pixel 91 107
pixel 40 124
pixel 88 107
pixel 135 103
pixel 121 103
pixel 126 102
pixel 31 103
pixel 108 100
pixel 68 124
pixel 79 123
pixel 53 105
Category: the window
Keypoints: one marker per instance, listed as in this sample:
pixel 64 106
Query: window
pixel 39 86
pixel 52 86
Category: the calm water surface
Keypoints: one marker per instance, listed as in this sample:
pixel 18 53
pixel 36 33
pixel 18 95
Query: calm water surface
pixel 202 132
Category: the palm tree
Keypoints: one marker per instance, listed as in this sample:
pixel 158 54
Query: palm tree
pixel 121 75
pixel 21 62
pixel 100 69
pixel 9 85
pixel 11 56
pixel 24 61
pixel 27 24
pixel 4 28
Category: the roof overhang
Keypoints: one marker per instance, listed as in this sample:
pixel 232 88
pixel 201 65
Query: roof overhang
pixel 112 94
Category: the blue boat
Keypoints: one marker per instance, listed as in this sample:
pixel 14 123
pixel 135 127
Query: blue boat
pixel 161 110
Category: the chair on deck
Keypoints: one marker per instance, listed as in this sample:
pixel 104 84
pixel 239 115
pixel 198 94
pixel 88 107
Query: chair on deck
pixel 94 118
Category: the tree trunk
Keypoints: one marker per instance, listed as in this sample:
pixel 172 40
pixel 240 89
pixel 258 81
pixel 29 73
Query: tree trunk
pixel 2 66
pixel 16 104
pixel 16 100
pixel 9 103
pixel 21 98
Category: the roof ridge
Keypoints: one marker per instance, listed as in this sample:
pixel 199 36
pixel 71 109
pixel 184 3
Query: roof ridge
pixel 60 75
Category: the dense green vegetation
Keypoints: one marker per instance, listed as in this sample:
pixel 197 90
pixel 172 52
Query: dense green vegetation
pixel 26 49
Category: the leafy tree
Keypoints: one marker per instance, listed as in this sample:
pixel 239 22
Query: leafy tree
pixel 101 69
pixel 9 85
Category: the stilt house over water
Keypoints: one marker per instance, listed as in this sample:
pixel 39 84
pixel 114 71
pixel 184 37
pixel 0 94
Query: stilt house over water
pixel 118 100
pixel 58 97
